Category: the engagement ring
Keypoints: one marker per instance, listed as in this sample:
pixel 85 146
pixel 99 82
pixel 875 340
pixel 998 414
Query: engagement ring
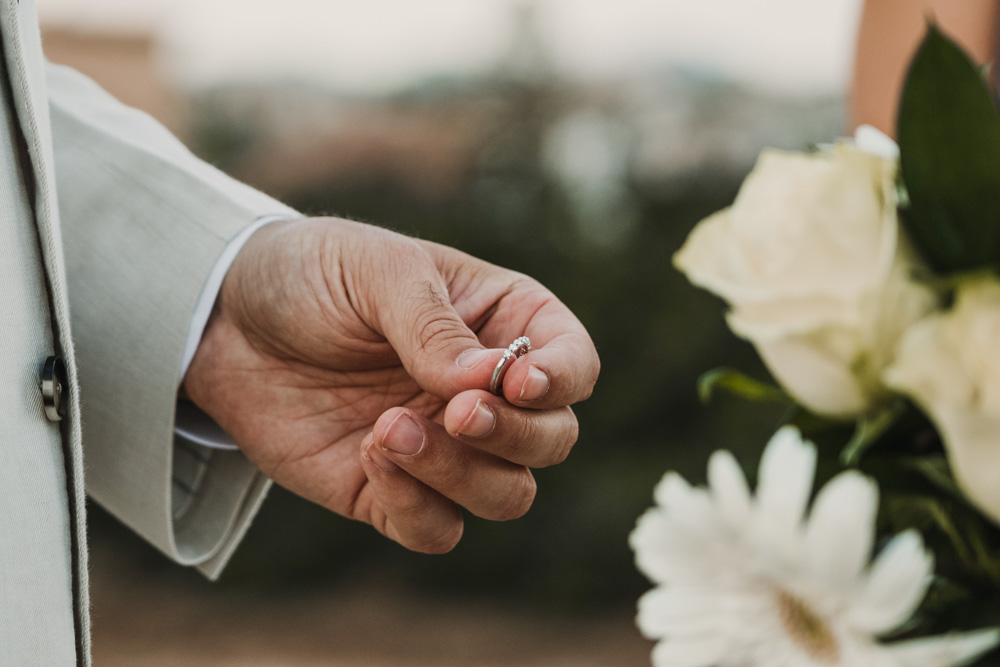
pixel 520 347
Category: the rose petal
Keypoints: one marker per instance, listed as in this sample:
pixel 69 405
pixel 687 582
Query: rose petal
pixel 873 141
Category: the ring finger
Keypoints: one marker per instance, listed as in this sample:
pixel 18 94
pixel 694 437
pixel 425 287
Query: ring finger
pixel 487 485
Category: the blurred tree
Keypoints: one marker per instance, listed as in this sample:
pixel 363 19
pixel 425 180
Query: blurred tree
pixel 655 332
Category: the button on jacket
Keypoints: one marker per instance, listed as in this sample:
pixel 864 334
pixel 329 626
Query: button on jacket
pixel 108 229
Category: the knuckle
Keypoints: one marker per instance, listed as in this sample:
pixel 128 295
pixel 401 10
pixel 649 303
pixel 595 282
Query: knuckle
pixel 412 505
pixel 561 453
pixel 435 333
pixel 591 379
pixel 379 520
pixel 442 542
pixel 572 436
pixel 510 436
pixel 521 450
pixel 519 498
pixel 557 455
pixel 523 435
pixel 382 256
pixel 450 472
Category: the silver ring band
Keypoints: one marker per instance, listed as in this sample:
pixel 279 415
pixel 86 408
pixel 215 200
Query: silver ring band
pixel 520 347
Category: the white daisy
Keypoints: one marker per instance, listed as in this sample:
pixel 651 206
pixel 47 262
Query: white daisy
pixel 746 581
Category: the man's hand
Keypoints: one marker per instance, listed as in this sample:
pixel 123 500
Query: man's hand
pixel 351 365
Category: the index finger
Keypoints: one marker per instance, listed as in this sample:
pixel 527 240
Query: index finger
pixel 561 368
pixel 501 305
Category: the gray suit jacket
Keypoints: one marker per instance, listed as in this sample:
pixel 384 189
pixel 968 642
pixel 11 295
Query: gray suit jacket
pixel 108 229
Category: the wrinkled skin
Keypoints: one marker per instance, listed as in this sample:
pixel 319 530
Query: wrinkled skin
pixel 334 358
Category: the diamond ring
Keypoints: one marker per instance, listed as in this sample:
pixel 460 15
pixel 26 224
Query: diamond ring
pixel 520 347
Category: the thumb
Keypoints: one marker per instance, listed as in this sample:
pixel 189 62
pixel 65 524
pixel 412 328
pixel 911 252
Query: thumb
pixel 433 342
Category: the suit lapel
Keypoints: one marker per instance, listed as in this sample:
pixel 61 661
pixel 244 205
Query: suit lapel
pixel 22 51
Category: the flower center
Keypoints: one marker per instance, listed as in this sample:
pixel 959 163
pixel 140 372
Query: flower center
pixel 810 631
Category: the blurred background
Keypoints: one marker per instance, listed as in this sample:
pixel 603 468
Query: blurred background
pixel 574 140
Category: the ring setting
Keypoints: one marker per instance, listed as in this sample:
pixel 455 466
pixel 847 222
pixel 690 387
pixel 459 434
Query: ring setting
pixel 520 347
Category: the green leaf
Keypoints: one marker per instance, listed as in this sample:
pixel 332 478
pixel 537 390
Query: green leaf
pixel 935 513
pixel 869 430
pixel 741 385
pixel 944 593
pixel 949 141
pixel 987 557
pixel 934 469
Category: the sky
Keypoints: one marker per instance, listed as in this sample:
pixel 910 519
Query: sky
pixel 373 46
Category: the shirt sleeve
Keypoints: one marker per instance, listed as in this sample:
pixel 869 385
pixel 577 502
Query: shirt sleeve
pixel 191 425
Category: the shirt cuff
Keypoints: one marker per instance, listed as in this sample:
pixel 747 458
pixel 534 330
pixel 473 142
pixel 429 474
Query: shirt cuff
pixel 191 424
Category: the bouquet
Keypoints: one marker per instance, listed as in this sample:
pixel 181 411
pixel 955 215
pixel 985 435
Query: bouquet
pixel 865 273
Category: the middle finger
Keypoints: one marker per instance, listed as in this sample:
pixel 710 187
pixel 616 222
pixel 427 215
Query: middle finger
pixel 535 438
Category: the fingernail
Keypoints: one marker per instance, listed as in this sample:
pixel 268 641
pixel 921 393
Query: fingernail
pixel 479 423
pixel 535 384
pixel 378 459
pixel 470 358
pixel 403 436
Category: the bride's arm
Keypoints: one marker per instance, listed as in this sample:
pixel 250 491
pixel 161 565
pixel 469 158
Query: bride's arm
pixel 889 33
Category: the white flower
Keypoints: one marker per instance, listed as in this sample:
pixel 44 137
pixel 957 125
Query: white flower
pixel 811 261
pixel 949 363
pixel 874 141
pixel 744 581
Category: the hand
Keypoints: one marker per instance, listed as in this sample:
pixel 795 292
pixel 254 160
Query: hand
pixel 348 363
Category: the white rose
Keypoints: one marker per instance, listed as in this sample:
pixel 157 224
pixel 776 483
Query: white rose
pixel 949 363
pixel 811 262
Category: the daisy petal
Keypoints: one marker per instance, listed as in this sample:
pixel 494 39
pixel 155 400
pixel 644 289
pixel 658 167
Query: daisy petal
pixel 894 586
pixel 866 653
pixel 787 468
pixel 671 490
pixel 729 489
pixel 654 608
pixel 786 476
pixel 684 503
pixel 954 650
pixel 727 561
pixel 687 653
pixel 666 552
pixel 650 541
pixel 682 543
pixel 841 530
pixel 681 613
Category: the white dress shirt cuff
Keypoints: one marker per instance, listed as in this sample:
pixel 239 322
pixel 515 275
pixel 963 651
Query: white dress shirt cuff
pixel 191 424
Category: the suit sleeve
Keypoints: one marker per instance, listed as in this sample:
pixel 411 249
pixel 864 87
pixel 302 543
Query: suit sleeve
pixel 143 222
